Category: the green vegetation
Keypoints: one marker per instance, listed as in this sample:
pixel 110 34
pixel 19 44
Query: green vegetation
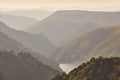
pixel 96 69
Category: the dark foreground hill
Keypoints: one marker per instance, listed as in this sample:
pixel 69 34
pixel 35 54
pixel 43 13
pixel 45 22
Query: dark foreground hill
pixel 96 69
pixel 22 66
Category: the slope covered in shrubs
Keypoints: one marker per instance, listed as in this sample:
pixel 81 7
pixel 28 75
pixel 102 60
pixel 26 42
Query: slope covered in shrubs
pixel 96 69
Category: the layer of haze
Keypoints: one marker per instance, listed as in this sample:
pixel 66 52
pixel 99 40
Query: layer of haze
pixel 60 4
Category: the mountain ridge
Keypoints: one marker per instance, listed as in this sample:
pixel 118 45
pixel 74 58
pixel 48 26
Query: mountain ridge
pixel 99 42
pixel 8 42
pixel 35 41
pixel 33 13
pixel 72 24
pixel 17 22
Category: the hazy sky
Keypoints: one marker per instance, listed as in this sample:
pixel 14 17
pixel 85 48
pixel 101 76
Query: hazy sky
pixel 59 4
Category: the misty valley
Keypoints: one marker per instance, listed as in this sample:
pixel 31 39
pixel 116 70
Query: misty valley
pixel 59 45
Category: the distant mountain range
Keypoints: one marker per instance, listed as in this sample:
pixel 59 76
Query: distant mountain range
pixel 19 41
pixel 22 66
pixel 35 41
pixel 65 37
pixel 96 69
pixel 7 43
pixel 99 42
pixel 17 22
pixel 65 25
pixel 33 13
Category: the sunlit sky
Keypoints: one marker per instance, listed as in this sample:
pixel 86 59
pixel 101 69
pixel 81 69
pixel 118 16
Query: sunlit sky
pixel 59 4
